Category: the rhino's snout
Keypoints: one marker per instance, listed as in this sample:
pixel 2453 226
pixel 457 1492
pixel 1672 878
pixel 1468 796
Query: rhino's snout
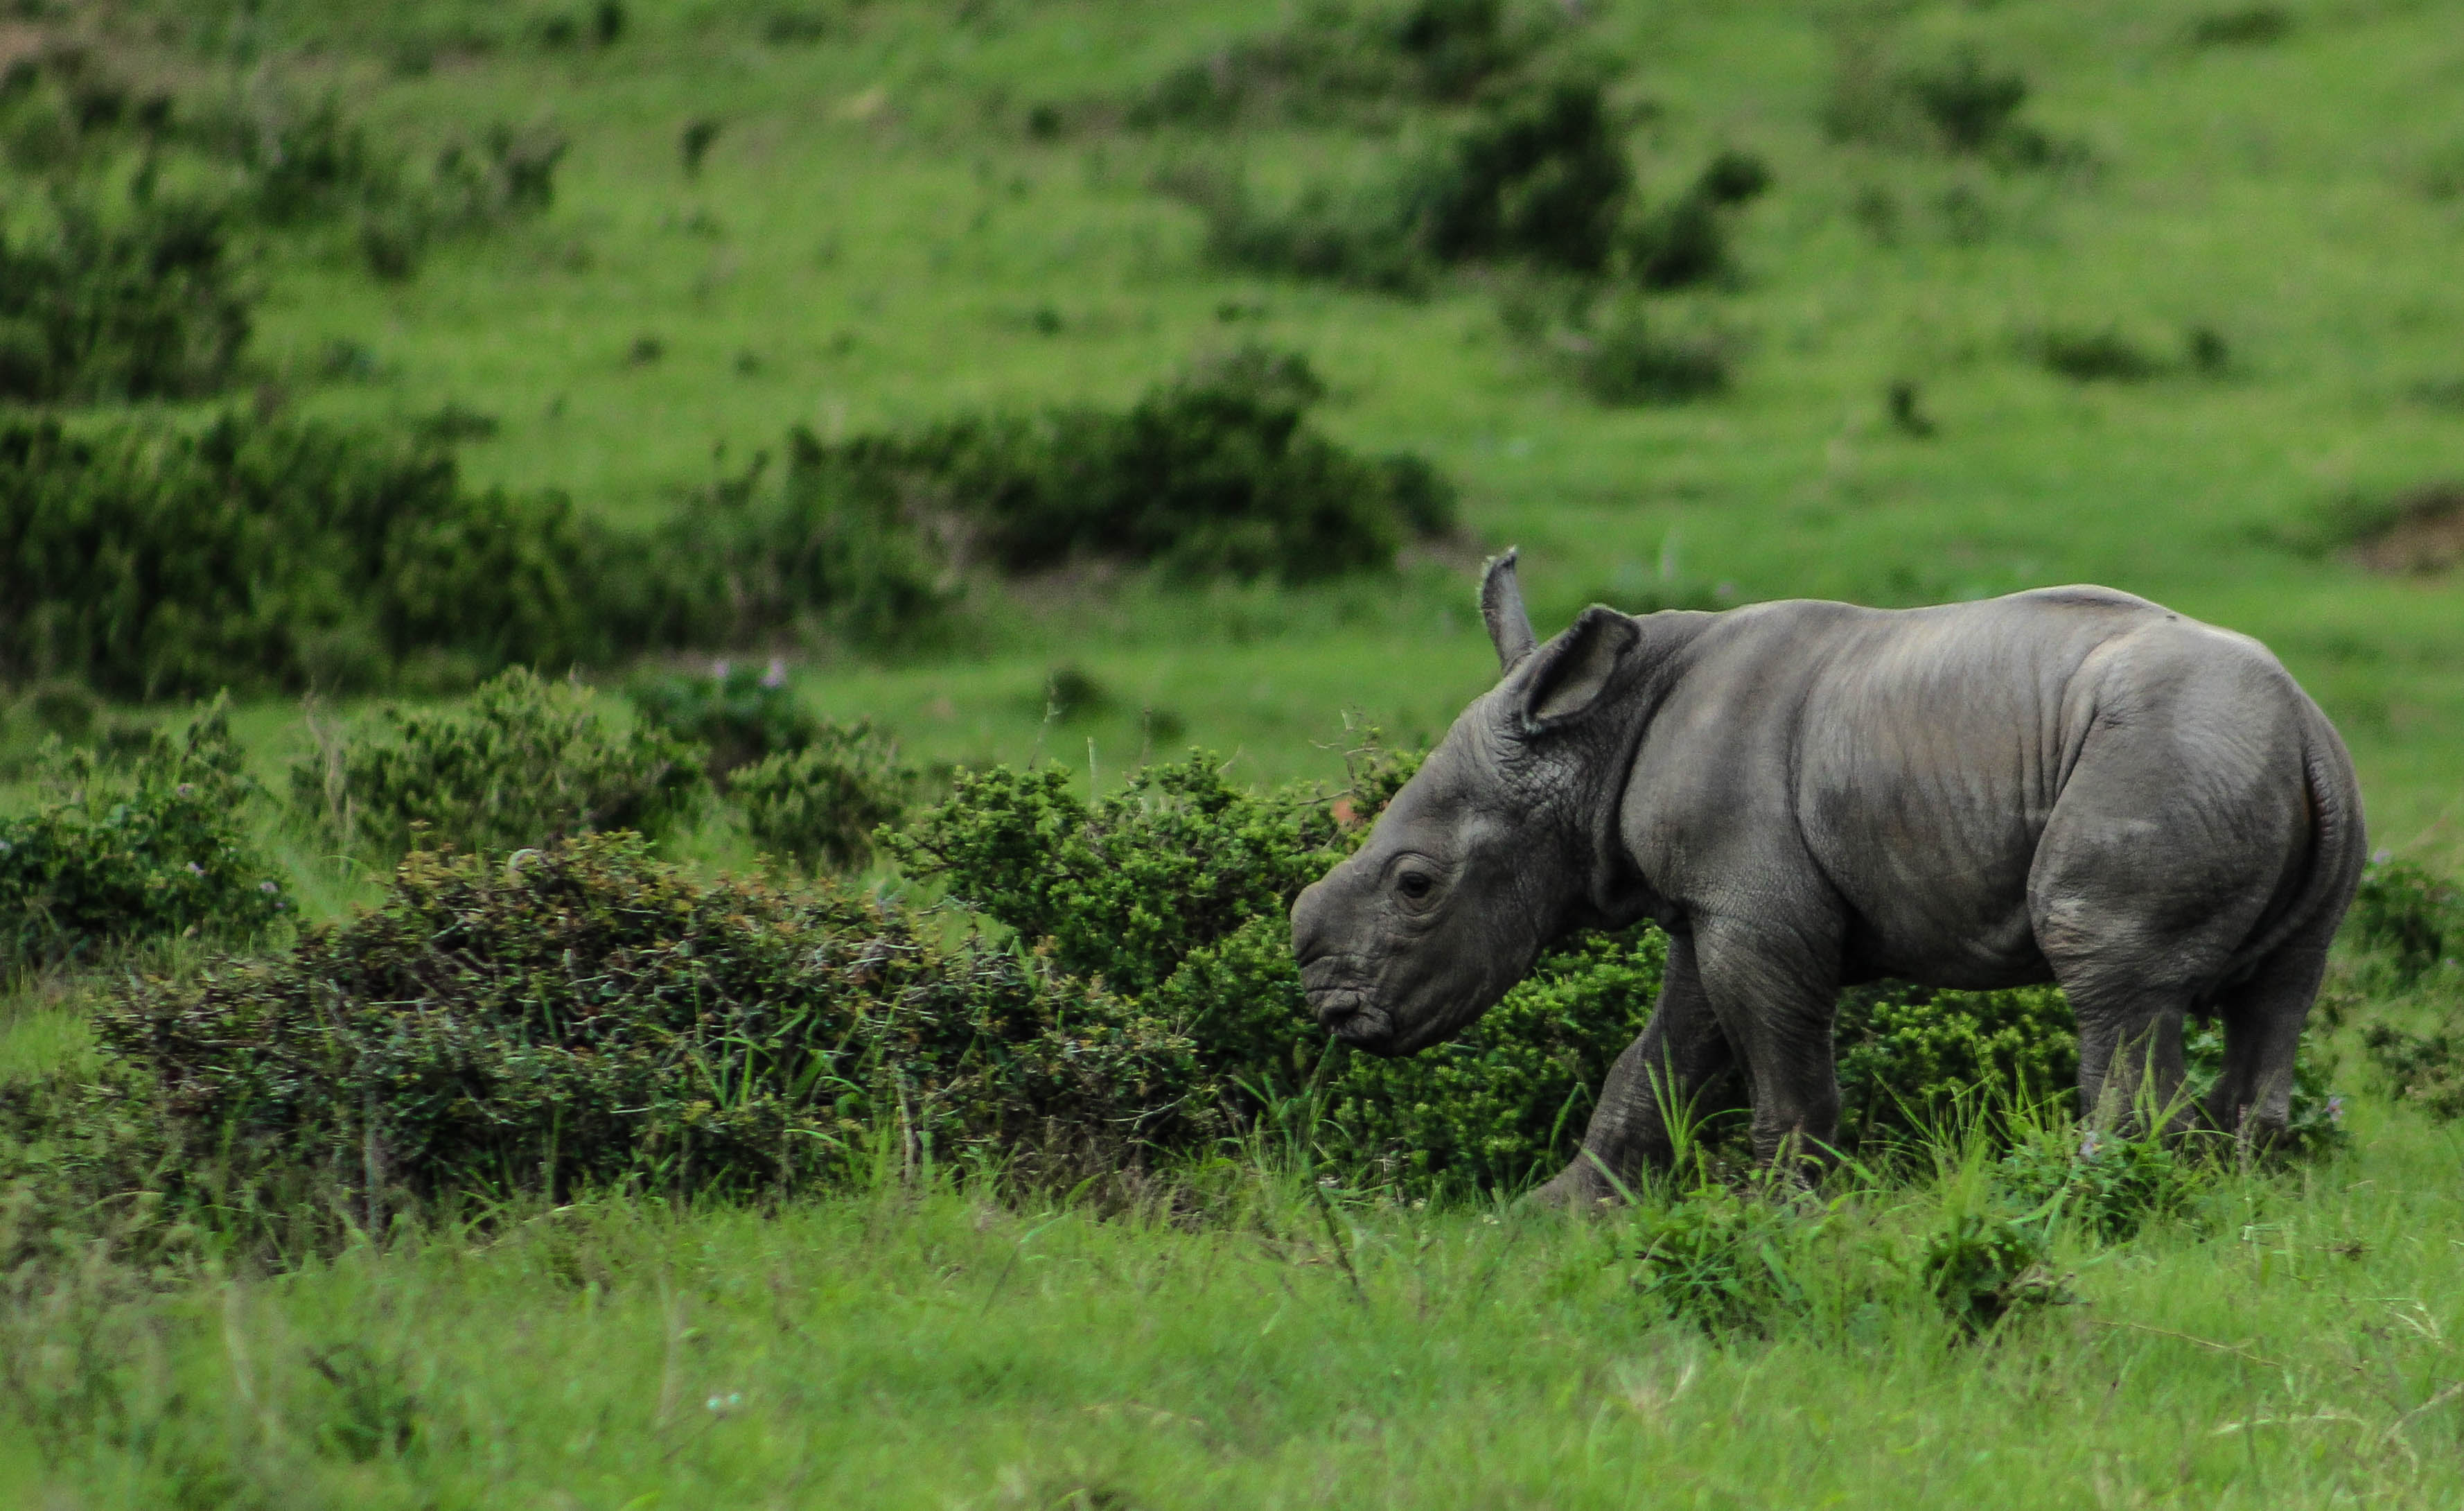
pixel 1335 980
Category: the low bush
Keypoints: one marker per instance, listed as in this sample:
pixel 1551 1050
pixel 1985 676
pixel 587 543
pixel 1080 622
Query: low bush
pixel 737 714
pixel 583 1015
pixel 1910 1056
pixel 1685 241
pixel 2426 1070
pixel 1218 472
pixel 2407 916
pixel 109 307
pixel 150 562
pixel 820 803
pixel 1629 361
pixel 2109 1184
pixel 1726 1261
pixel 152 848
pixel 1957 103
pixel 528 762
pixel 1984 1267
pixel 1341 64
pixel 2093 356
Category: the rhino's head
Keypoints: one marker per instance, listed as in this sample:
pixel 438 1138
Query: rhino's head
pixel 1495 848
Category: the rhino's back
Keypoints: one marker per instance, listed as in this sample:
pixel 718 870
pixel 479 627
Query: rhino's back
pixel 1914 757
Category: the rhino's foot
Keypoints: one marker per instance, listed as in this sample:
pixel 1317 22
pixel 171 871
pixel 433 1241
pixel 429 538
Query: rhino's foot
pixel 1581 1187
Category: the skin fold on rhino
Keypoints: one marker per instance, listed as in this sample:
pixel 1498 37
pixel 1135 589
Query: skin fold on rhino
pixel 2069 785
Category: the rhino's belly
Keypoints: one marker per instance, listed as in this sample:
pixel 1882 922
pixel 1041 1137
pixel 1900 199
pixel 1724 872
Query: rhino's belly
pixel 1946 915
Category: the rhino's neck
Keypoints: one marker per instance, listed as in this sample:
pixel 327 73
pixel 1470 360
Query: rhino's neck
pixel 1618 894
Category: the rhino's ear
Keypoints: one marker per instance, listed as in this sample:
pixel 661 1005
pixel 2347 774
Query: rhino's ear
pixel 1500 607
pixel 1575 668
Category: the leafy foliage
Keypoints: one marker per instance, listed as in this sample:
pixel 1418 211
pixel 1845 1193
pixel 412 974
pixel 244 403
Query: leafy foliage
pixel 1724 1259
pixel 153 849
pixel 1631 361
pixel 1218 472
pixel 2408 914
pixel 1339 64
pixel 2111 1186
pixel 528 762
pixel 1984 1267
pixel 2424 1068
pixel 737 714
pixel 142 305
pixel 1908 1053
pixel 819 803
pixel 584 1015
pixel 151 563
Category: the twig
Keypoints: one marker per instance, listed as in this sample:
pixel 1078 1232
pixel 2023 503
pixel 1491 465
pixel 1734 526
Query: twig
pixel 2235 1350
pixel 1342 1251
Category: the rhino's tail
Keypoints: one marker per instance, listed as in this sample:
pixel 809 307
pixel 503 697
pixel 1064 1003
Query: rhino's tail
pixel 2339 846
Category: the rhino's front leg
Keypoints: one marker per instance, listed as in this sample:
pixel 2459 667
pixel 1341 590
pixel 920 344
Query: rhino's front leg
pixel 1775 990
pixel 1681 1052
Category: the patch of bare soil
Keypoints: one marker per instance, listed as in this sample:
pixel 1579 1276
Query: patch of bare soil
pixel 2425 536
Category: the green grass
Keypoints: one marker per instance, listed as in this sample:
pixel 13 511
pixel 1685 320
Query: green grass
pixel 876 232
pixel 2289 1343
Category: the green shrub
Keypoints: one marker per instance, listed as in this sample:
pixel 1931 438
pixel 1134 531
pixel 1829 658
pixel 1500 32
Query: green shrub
pixel 527 762
pixel 104 308
pixel 1630 362
pixel 1909 1054
pixel 1538 175
pixel 1970 104
pixel 583 1015
pixel 2424 1068
pixel 152 563
pixel 1342 64
pixel 1983 1267
pixel 735 713
pixel 2111 1186
pixel 1685 241
pixel 1541 176
pixel 1218 472
pixel 2404 913
pixel 1726 1261
pixel 819 803
pixel 155 849
pixel 831 551
pixel 2093 356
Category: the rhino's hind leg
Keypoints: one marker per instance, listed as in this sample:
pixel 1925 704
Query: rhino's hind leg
pixel 2263 1016
pixel 1653 1083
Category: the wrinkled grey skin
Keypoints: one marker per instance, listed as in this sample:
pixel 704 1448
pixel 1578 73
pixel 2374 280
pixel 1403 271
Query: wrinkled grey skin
pixel 2070 784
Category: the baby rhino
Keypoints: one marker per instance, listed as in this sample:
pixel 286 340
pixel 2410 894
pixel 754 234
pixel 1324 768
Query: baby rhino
pixel 2069 785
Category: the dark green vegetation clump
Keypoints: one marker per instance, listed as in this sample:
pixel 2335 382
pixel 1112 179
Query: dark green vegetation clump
pixel 1339 64
pixel 1538 176
pixel 819 803
pixel 101 307
pixel 527 762
pixel 153 562
pixel 738 713
pixel 1219 472
pixel 580 1014
pixel 2410 922
pixel 810 791
pixel 155 845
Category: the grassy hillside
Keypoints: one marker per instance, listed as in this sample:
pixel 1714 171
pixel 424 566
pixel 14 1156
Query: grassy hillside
pixel 876 236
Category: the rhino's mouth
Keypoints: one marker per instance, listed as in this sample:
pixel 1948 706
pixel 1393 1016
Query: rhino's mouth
pixel 1353 1016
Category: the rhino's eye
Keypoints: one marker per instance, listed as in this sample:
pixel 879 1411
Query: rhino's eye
pixel 1415 885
